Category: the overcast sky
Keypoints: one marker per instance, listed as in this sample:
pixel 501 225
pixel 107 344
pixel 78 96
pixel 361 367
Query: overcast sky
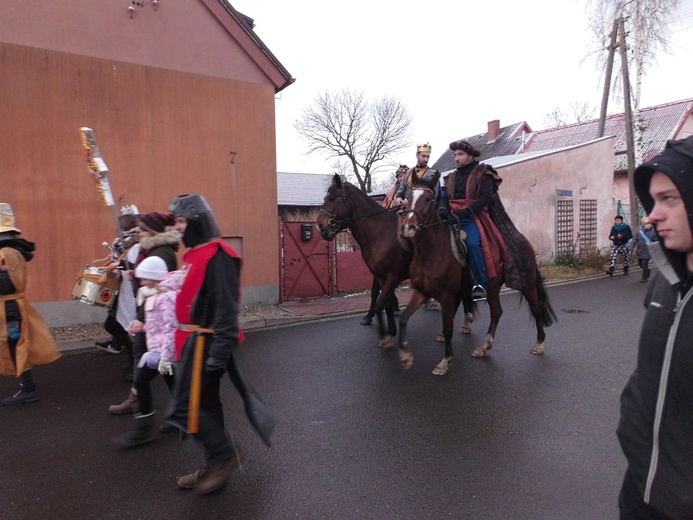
pixel 454 66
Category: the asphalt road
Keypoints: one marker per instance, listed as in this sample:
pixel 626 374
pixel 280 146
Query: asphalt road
pixel 510 436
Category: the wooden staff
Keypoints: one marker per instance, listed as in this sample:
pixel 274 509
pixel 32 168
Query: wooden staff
pixel 196 380
pixel 196 385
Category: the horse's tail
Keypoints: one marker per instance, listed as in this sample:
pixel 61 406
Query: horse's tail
pixel 547 316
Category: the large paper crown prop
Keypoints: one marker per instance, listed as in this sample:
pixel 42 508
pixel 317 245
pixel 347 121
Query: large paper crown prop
pixel 129 210
pixel 423 148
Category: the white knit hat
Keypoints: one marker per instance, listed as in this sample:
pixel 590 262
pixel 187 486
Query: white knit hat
pixel 151 268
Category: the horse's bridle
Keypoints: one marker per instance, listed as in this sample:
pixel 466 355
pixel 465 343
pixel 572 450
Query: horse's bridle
pixel 337 226
pixel 423 221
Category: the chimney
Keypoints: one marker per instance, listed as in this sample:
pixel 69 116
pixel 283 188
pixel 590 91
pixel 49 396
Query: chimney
pixel 493 130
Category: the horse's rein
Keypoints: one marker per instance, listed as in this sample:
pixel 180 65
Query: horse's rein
pixel 337 226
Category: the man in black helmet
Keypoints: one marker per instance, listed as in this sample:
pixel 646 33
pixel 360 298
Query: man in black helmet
pixel 207 305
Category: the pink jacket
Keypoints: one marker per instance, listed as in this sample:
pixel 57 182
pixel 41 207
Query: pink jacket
pixel 160 321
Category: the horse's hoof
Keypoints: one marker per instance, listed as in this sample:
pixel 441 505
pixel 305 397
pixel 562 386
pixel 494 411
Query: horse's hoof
pixel 440 338
pixel 538 349
pixel 464 329
pixel 387 343
pixel 406 359
pixel 442 368
pixel 367 320
pixel 480 351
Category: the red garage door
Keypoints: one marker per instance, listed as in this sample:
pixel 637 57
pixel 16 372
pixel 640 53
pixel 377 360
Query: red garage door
pixel 306 262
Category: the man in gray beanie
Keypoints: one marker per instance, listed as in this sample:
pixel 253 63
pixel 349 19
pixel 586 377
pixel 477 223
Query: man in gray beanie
pixel 656 425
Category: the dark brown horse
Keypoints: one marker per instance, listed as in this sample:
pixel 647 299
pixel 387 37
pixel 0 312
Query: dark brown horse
pixel 376 230
pixel 434 272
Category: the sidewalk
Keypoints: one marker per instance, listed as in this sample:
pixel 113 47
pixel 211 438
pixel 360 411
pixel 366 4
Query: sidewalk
pixel 292 313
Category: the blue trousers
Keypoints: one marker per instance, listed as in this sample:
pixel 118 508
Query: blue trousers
pixel 476 254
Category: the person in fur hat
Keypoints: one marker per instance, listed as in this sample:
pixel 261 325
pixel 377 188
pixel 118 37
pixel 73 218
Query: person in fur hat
pixel 656 424
pixel 158 239
pixel 468 204
pixel 25 340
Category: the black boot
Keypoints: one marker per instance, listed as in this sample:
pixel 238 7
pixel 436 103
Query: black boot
pixel 610 271
pixel 27 391
pixel 625 271
pixel 142 433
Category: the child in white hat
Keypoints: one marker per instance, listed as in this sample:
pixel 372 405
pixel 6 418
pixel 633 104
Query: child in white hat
pixel 158 296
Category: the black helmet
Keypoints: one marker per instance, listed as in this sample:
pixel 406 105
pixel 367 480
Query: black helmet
pixel 202 225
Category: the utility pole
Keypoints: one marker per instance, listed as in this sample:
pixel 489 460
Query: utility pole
pixel 607 79
pixel 628 120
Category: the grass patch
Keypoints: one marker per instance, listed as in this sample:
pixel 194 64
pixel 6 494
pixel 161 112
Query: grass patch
pixel 569 265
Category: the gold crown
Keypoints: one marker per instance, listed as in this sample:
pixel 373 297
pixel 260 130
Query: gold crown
pixel 423 148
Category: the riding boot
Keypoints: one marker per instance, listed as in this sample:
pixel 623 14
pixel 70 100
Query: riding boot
pixel 610 270
pixel 142 433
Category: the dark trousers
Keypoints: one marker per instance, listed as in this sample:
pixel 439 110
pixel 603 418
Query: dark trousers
pixel 139 347
pixel 145 375
pixel 645 266
pixel 26 378
pixel 631 504
pixel 115 329
pixel 212 433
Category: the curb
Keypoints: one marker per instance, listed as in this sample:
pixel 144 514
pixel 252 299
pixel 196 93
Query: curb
pixel 87 344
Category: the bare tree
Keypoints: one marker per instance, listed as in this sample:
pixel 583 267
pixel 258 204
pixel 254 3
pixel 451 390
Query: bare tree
pixel 346 125
pixel 580 112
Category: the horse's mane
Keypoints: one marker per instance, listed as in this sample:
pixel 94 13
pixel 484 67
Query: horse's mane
pixel 353 190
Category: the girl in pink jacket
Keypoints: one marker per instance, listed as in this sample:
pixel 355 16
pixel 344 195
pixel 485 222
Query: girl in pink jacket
pixel 158 296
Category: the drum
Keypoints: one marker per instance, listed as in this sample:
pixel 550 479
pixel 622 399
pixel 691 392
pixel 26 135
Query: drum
pixel 96 286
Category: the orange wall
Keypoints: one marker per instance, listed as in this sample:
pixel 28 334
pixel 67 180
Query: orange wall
pixel 161 132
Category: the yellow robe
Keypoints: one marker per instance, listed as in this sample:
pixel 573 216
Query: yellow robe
pixel 36 345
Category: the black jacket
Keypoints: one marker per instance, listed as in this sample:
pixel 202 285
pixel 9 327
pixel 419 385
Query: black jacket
pixel 656 425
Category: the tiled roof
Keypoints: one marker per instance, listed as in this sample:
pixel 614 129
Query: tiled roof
pixel 302 189
pixel 508 142
pixel 661 123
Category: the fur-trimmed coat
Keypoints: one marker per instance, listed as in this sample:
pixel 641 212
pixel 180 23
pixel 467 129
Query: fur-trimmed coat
pixel 520 253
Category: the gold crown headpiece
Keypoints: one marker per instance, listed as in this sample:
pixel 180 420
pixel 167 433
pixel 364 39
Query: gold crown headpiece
pixel 423 148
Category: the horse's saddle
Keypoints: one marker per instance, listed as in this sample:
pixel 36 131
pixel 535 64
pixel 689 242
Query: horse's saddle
pixel 458 245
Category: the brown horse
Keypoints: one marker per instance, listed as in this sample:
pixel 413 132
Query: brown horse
pixel 434 272
pixel 376 231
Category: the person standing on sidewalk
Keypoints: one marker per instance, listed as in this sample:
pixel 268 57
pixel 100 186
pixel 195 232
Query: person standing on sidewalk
pixel 645 236
pixel 656 425
pixel 207 305
pixel 25 340
pixel 619 235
